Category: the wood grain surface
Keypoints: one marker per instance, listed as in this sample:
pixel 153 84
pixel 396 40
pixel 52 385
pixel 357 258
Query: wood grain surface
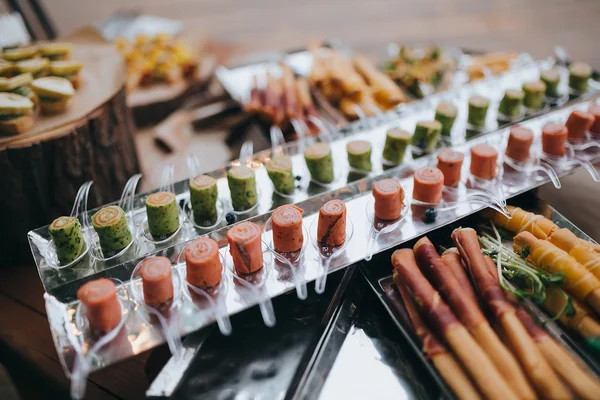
pixel 534 26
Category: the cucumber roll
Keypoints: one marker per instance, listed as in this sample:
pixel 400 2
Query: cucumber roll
pixel 427 135
pixel 551 78
pixel 579 75
pixel 478 108
pixel 534 95
pixel 511 103
pixel 203 197
pixel 359 154
pixel 242 185
pixel 163 213
pixel 279 169
pixel 319 162
pixel 445 113
pixel 396 142
pixel 67 238
pixel 113 232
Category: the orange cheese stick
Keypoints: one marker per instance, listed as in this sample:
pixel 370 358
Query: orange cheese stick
pixel 537 369
pixel 287 228
pixel 157 280
pixel 442 359
pixel 203 265
pixel 522 220
pixel 245 247
pixel 483 161
pixel 389 199
pixel 450 163
pixel 100 304
pixel 331 228
pixel 438 314
pixel 519 143
pixel 468 312
pixel 554 137
pixel 428 185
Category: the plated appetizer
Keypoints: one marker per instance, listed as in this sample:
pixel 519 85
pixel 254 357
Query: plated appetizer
pixel 450 163
pixel 55 51
pixel 279 169
pixel 428 185
pixel 359 154
pixel 163 214
pixel 478 108
pixel 288 235
pixel 280 100
pixel 242 185
pixel 331 227
pixel 494 63
pixel 67 238
pixel 396 143
pixel 519 143
pixel 54 94
pixel 203 197
pixel 160 59
pixel 389 199
pixel 445 113
pixel 420 70
pixel 67 69
pixel 112 229
pixel 15 113
pixel 483 161
pixel 245 247
pixel 319 161
pixel 19 84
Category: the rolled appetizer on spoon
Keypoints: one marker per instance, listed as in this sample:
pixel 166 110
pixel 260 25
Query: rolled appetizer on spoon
pixel 67 238
pixel 110 223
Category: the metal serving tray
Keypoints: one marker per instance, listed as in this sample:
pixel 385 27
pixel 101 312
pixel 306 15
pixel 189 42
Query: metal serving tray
pixel 377 273
pixel 60 281
pixel 141 333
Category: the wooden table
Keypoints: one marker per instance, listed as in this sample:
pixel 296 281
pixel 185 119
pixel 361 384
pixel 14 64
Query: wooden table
pixel 535 26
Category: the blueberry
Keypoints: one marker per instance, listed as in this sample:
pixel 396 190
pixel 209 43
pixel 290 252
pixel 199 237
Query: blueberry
pixel 298 178
pixel 430 215
pixel 230 217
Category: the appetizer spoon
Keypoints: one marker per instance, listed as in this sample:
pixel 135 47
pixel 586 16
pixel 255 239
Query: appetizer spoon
pixel 195 168
pixel 215 296
pixel 168 317
pixel 380 227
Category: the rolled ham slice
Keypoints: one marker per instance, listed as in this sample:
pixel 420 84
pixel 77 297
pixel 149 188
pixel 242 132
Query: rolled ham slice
pixel 554 137
pixel 245 246
pixel 450 163
pixel 156 273
pixel 287 228
pixel 203 264
pixel 428 184
pixel 483 161
pixel 101 305
pixel 389 199
pixel 519 143
pixel 578 124
pixel 331 228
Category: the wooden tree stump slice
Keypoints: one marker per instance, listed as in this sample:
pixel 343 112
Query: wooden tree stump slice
pixel 153 103
pixel 42 169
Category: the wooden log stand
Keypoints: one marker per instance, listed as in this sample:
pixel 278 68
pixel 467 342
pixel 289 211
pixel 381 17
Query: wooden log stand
pixel 42 169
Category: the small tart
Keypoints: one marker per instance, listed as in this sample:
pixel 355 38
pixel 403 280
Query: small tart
pixel 53 87
pixel 14 104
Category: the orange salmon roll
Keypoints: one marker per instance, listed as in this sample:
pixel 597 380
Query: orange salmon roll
pixel 245 247
pixel 519 143
pixel 100 304
pixel 287 228
pixel 331 228
pixel 202 263
pixel 554 137
pixel 428 184
pixel 595 111
pixel 450 163
pixel 483 161
pixel 389 199
pixel 578 124
pixel 157 280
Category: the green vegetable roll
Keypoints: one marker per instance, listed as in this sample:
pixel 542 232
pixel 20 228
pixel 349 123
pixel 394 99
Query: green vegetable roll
pixel 534 94
pixel 445 113
pixel 203 197
pixel 111 226
pixel 163 213
pixel 67 237
pixel 396 142
pixel 478 108
pixel 279 169
pixel 579 75
pixel 427 135
pixel 511 103
pixel 359 154
pixel 319 162
pixel 242 185
pixel 551 78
